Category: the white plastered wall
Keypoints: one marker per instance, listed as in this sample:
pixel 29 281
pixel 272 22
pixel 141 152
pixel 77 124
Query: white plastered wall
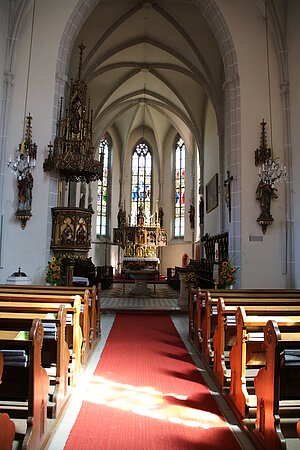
pixel 211 168
pixel 261 260
pixel 294 72
pixel 28 248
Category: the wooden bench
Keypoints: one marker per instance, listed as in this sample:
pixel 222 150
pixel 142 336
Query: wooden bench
pixel 248 355
pixel 55 352
pixel 7 432
pixel 58 298
pixel 7 426
pixel 225 333
pixel 93 293
pixel 24 390
pixel 277 388
pixel 209 312
pixel 75 337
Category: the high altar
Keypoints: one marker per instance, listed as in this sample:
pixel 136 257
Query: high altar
pixel 139 243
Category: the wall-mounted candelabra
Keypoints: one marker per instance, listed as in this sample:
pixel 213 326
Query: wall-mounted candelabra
pixel 22 167
pixel 269 173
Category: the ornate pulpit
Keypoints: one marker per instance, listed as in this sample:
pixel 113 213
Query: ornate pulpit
pixel 72 156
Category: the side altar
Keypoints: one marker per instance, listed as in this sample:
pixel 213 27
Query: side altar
pixel 139 243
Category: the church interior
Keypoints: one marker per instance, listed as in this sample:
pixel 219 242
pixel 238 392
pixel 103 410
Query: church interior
pixel 148 191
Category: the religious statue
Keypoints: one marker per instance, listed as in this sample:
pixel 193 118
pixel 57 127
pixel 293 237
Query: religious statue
pixel 192 216
pixel 82 196
pixel 67 234
pixel 265 193
pixel 201 210
pixel 161 216
pixel 25 185
pixel 75 117
pixel 140 216
pixel 121 218
pixel 81 234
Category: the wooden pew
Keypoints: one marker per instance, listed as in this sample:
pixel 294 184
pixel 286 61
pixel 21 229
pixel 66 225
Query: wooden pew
pixel 55 352
pixel 24 392
pixel 195 318
pixel 7 426
pixel 1 365
pixel 7 432
pixel 277 389
pixel 225 333
pixel 57 299
pixel 43 308
pixel 249 353
pixel 93 293
pixel 242 297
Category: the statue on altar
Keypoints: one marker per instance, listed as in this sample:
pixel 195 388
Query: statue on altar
pixel 140 216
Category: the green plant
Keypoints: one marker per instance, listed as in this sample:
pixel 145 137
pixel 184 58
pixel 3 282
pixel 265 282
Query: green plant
pixel 227 274
pixel 53 275
pixel 191 279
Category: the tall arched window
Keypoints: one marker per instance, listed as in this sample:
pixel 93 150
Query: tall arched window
pixel 102 191
pixel 141 174
pixel 179 187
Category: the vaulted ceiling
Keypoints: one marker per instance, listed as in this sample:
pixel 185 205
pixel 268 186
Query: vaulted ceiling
pixel 149 64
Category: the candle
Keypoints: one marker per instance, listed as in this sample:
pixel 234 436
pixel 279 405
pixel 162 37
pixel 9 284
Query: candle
pixel 216 251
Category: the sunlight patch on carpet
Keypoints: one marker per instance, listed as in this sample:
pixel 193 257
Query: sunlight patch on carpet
pixel 147 401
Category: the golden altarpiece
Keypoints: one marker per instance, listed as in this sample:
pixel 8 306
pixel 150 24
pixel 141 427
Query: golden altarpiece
pixel 140 243
pixel 72 155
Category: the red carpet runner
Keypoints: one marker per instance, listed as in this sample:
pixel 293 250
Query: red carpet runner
pixel 146 394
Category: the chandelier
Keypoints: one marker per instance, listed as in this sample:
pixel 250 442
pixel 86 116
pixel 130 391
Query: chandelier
pixel 25 159
pixel 270 172
pixel 72 154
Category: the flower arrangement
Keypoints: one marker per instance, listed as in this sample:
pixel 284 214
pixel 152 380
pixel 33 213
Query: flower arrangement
pixel 191 279
pixel 53 275
pixel 227 274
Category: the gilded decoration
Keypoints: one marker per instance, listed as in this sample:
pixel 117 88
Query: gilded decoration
pixel 140 243
pixel 71 232
pixel 73 153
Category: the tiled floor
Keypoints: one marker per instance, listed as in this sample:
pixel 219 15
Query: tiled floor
pixel 181 322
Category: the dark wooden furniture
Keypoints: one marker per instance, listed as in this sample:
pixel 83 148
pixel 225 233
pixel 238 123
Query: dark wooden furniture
pixel 24 390
pixel 173 278
pixel 74 338
pixel 55 351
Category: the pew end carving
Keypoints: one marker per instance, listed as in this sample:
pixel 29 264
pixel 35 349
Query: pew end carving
pixel 277 388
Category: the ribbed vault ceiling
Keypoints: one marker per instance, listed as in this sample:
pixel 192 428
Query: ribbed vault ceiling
pixel 149 64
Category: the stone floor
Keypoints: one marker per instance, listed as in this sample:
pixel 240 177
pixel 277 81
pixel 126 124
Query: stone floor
pixel 119 297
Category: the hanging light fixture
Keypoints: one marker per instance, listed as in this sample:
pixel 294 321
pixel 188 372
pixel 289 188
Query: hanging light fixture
pixel 25 159
pixel 270 172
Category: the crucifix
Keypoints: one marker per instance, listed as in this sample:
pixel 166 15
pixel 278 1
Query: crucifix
pixel 227 185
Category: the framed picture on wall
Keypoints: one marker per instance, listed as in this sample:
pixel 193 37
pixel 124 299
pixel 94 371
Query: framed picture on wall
pixel 211 192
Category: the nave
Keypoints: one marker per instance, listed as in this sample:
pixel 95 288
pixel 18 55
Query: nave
pixel 80 396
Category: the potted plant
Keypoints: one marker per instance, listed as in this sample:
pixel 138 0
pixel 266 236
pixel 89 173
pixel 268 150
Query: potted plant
pixel 53 275
pixel 192 279
pixel 227 275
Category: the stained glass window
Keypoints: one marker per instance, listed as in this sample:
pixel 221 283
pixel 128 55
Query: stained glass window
pixel 179 187
pixel 102 200
pixel 141 171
